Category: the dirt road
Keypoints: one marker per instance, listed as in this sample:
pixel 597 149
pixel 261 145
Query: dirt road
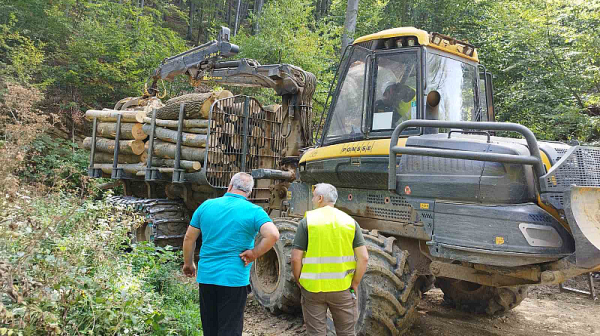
pixel 546 311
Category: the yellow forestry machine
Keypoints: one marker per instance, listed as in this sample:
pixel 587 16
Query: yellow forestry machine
pixel 410 143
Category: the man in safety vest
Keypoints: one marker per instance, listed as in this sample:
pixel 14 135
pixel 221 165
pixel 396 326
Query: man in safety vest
pixel 329 258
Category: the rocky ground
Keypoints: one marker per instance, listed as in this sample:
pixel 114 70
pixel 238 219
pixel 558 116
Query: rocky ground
pixel 546 311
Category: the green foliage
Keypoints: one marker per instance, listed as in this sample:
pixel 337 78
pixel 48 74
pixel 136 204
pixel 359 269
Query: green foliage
pixel 97 52
pixel 66 273
pixel 288 34
pixel 20 56
pixel 57 162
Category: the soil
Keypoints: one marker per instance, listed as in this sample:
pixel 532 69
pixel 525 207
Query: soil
pixel 546 311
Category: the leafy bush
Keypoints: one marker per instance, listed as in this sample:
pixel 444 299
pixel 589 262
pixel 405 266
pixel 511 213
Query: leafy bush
pixel 64 271
pixel 57 163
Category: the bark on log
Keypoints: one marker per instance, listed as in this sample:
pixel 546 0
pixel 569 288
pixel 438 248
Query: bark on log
pixel 101 157
pixel 192 110
pixel 167 150
pixel 129 131
pixel 135 147
pixel 187 123
pixel 111 115
pixel 187 139
pixel 128 168
pixel 183 164
pixel 197 105
pixel 196 130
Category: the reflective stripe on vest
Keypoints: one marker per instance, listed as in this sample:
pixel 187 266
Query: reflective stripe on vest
pixel 328 264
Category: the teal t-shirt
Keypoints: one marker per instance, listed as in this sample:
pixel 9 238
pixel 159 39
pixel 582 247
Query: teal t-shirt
pixel 229 225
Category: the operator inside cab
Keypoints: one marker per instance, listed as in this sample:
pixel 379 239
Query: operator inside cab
pixel 395 95
pixel 395 107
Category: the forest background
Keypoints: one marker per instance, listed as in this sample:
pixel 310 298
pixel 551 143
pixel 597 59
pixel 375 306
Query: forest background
pixel 62 270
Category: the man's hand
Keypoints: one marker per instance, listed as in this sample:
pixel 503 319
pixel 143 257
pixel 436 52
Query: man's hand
pixel 248 256
pixel 189 270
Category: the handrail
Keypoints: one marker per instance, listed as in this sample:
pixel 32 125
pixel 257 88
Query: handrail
pixel 534 159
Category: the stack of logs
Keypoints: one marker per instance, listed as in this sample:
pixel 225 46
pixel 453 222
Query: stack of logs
pixel 136 126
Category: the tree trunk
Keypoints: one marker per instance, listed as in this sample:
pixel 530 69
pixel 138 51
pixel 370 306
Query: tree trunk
pixel 101 157
pixel 111 115
pixel 258 4
pixel 187 139
pixel 187 123
pixel 191 18
pixel 167 150
pixel 228 13
pixel 237 17
pixel 129 131
pixel 200 23
pixel 349 23
pixel 135 147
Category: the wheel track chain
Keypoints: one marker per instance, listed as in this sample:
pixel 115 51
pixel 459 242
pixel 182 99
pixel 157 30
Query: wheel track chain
pixel 167 219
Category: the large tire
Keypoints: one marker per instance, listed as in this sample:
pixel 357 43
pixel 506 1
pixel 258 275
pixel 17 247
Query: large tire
pixel 476 298
pixel 271 276
pixel 389 291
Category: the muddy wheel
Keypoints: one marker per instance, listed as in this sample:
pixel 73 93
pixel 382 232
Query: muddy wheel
pixel 389 292
pixel 476 298
pixel 271 276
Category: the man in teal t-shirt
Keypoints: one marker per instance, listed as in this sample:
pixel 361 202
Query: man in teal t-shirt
pixel 228 225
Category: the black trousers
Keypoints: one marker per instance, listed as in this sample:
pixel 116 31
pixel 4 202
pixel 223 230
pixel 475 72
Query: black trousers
pixel 222 309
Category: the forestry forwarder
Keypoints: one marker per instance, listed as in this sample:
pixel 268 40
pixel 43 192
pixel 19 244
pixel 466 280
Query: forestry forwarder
pixel 485 215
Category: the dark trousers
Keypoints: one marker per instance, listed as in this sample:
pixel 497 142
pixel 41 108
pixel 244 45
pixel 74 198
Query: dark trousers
pixel 222 309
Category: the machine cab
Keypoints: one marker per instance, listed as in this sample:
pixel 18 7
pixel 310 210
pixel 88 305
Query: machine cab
pixel 401 74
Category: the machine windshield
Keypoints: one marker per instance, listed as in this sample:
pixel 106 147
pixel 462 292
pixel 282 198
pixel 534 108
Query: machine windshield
pixel 394 83
pixel 346 116
pixel 456 82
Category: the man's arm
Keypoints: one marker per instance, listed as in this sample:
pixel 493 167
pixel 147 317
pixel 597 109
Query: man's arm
pixel 362 258
pixel 189 245
pixel 270 235
pixel 297 264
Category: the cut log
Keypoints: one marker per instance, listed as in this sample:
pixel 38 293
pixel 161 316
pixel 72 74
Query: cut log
pixel 187 123
pixel 101 157
pixel 128 168
pixel 183 164
pixel 215 96
pixel 129 131
pixel 224 94
pixel 196 130
pixel 167 150
pixel 169 135
pixel 229 128
pixel 111 115
pixel 135 147
pixel 192 110
pixel 144 157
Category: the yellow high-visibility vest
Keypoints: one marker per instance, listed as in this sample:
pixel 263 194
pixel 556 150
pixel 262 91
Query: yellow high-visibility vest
pixel 328 265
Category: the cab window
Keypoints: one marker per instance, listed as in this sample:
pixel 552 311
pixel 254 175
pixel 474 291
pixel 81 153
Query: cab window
pixel 395 90
pixel 456 82
pixel 345 119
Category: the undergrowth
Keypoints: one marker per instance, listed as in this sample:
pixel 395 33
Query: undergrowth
pixel 65 271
